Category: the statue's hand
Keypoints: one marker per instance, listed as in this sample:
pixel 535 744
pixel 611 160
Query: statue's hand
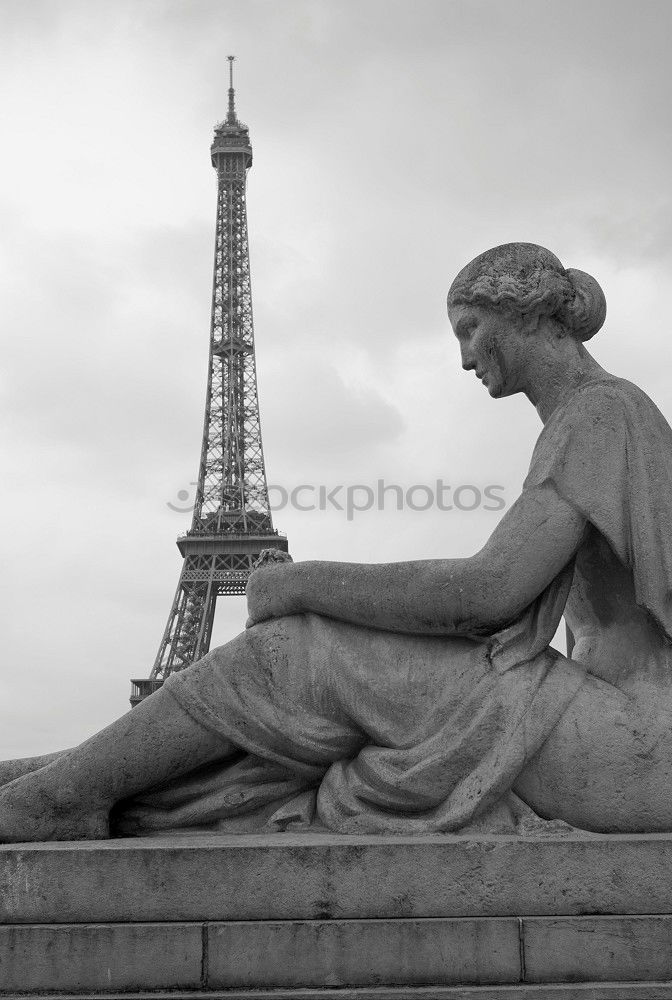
pixel 267 556
pixel 269 589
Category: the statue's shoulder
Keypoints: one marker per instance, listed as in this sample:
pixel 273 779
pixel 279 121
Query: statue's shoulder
pixel 608 387
pixel 605 425
pixel 606 398
pixel 596 428
pixel 617 400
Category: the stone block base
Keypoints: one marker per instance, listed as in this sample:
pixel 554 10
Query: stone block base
pixel 575 991
pixel 312 917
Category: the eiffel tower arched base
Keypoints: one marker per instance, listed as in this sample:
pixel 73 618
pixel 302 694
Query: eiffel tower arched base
pixel 214 566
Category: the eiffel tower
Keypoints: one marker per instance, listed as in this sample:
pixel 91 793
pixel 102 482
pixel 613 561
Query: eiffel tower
pixel 232 520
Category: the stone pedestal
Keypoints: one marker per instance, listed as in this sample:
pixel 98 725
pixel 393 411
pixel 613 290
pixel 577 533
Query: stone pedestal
pixel 312 916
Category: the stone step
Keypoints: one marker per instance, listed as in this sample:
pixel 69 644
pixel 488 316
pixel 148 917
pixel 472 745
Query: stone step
pixel 312 877
pixel 318 916
pixel 574 991
pixel 290 954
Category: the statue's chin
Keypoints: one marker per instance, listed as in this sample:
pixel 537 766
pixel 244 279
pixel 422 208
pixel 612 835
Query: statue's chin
pixel 499 390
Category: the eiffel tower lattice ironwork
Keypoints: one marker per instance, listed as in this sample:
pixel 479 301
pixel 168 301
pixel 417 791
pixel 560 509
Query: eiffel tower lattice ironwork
pixel 232 520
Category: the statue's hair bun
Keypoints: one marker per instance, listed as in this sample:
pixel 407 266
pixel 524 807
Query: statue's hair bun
pixel 529 279
pixel 584 312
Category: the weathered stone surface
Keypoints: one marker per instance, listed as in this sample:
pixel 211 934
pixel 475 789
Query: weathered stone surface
pixel 304 877
pixel 363 953
pixel 295 958
pixel 312 912
pixel 100 957
pixel 573 991
pixel 600 948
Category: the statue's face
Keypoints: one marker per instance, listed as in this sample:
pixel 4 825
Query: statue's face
pixel 492 344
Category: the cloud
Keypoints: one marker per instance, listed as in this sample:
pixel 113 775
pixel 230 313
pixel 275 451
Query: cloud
pixel 315 418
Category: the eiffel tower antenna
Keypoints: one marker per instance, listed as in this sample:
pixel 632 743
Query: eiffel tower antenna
pixel 232 520
pixel 231 117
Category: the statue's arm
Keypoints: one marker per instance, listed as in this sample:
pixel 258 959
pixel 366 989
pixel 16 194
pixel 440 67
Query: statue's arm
pixel 532 543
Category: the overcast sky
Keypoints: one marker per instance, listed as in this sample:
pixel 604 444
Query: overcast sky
pixel 392 142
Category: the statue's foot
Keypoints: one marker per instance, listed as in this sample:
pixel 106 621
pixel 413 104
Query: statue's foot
pixel 30 811
pixel 12 769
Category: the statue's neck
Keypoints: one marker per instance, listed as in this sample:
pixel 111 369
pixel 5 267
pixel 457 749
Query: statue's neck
pixel 558 377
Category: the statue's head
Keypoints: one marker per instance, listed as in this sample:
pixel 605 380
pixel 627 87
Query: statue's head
pixel 515 292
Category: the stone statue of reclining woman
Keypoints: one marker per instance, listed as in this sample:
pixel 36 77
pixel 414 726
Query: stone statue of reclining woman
pixel 424 696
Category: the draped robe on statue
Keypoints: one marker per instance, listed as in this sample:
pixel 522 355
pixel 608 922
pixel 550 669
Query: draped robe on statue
pixel 365 731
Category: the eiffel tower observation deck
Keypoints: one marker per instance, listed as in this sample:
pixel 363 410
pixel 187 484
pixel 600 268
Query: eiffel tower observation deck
pixel 232 520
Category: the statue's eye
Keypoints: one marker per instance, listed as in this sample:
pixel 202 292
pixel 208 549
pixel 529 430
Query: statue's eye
pixel 466 329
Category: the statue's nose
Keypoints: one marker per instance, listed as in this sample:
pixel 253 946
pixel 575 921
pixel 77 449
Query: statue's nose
pixel 467 361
